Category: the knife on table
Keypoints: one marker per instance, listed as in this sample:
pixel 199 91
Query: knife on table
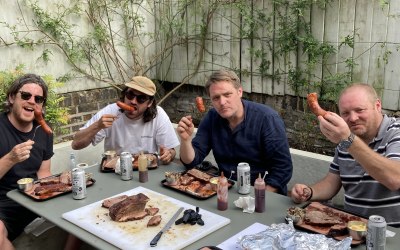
pixel 154 241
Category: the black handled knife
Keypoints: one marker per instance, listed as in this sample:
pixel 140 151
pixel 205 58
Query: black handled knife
pixel 154 241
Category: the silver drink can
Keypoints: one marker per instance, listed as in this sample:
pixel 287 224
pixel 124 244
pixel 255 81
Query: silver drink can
pixel 376 235
pixel 126 166
pixel 243 178
pixel 78 183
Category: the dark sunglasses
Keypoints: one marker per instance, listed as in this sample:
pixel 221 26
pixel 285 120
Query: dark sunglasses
pixel 26 96
pixel 139 98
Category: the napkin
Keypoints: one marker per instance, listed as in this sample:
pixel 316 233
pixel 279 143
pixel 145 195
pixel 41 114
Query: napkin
pixel 247 203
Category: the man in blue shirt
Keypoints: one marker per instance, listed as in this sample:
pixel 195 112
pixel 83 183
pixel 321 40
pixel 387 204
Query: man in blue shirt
pixel 237 131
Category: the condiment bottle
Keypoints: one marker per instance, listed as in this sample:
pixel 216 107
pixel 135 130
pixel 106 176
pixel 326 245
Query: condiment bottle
pixel 222 192
pixel 259 193
pixel 162 151
pixel 72 161
pixel 143 173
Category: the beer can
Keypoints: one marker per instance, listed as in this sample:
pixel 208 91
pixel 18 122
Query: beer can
pixel 243 178
pixel 126 166
pixel 78 183
pixel 376 235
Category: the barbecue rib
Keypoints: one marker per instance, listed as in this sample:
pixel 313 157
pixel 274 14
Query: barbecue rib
pixel 199 175
pixel 131 208
pixel 51 188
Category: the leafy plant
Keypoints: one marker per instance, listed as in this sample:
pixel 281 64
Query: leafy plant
pixel 55 114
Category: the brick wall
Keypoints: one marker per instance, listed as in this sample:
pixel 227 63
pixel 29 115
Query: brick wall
pixel 82 106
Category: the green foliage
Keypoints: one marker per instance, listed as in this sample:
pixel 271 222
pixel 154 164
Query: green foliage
pixel 55 114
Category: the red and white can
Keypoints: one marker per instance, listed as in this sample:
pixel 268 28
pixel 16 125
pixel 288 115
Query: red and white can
pixel 376 235
pixel 243 178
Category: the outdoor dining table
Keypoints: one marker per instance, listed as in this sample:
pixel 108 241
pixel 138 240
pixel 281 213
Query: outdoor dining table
pixel 110 184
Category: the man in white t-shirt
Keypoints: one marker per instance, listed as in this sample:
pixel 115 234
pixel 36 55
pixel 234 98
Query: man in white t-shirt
pixel 146 127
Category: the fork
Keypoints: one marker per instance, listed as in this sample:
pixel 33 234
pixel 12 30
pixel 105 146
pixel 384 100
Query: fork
pixel 34 132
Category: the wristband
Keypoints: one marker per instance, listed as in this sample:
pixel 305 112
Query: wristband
pixel 311 195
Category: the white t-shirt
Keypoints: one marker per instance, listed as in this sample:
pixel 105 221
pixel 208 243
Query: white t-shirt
pixel 134 136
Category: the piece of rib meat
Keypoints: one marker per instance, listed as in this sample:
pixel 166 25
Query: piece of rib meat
pixel 51 188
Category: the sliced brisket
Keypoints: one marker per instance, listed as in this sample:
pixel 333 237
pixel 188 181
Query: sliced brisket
pixel 131 208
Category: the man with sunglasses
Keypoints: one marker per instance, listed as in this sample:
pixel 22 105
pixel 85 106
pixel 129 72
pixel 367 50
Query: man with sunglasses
pixel 146 128
pixel 21 155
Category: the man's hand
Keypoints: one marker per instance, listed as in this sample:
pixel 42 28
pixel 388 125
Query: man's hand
pixel 166 155
pixel 21 152
pixel 301 193
pixel 334 127
pixel 106 121
pixel 185 128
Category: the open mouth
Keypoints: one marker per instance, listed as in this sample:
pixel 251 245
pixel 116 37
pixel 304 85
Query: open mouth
pixel 29 109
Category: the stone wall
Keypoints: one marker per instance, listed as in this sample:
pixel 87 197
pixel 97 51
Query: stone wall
pixel 302 127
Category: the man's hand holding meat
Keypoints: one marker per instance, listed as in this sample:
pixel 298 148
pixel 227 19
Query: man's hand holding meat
pixel 238 130
pixel 367 157
pixel 20 156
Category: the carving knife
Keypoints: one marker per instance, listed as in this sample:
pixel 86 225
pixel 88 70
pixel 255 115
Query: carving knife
pixel 153 243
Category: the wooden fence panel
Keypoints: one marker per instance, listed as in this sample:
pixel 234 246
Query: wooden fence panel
pixel 234 43
pixel 256 79
pixel 376 70
pixel 331 35
pixel 317 30
pixel 346 18
pixel 362 40
pixel 391 92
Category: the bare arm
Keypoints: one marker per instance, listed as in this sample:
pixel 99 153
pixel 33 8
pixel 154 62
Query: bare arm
pixel 185 130
pixel 44 169
pixel 323 190
pixel 382 169
pixel 85 136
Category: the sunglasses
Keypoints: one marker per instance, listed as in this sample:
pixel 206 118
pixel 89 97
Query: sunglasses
pixel 139 98
pixel 26 96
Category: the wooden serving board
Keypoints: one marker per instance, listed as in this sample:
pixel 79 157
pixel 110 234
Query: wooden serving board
pixel 135 234
pixel 325 230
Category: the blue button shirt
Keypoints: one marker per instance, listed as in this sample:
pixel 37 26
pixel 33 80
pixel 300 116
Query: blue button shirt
pixel 260 140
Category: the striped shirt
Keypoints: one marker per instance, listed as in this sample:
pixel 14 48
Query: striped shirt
pixel 363 194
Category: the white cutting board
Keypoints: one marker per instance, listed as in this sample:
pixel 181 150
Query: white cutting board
pixel 135 234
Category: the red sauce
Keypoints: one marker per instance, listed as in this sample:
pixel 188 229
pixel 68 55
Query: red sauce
pixel 143 176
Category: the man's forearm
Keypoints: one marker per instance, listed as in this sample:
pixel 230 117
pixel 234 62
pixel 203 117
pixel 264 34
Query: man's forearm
pixel 186 152
pixel 84 137
pixel 382 169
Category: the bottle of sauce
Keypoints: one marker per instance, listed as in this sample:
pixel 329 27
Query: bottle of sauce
pixel 143 173
pixel 259 193
pixel 222 192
